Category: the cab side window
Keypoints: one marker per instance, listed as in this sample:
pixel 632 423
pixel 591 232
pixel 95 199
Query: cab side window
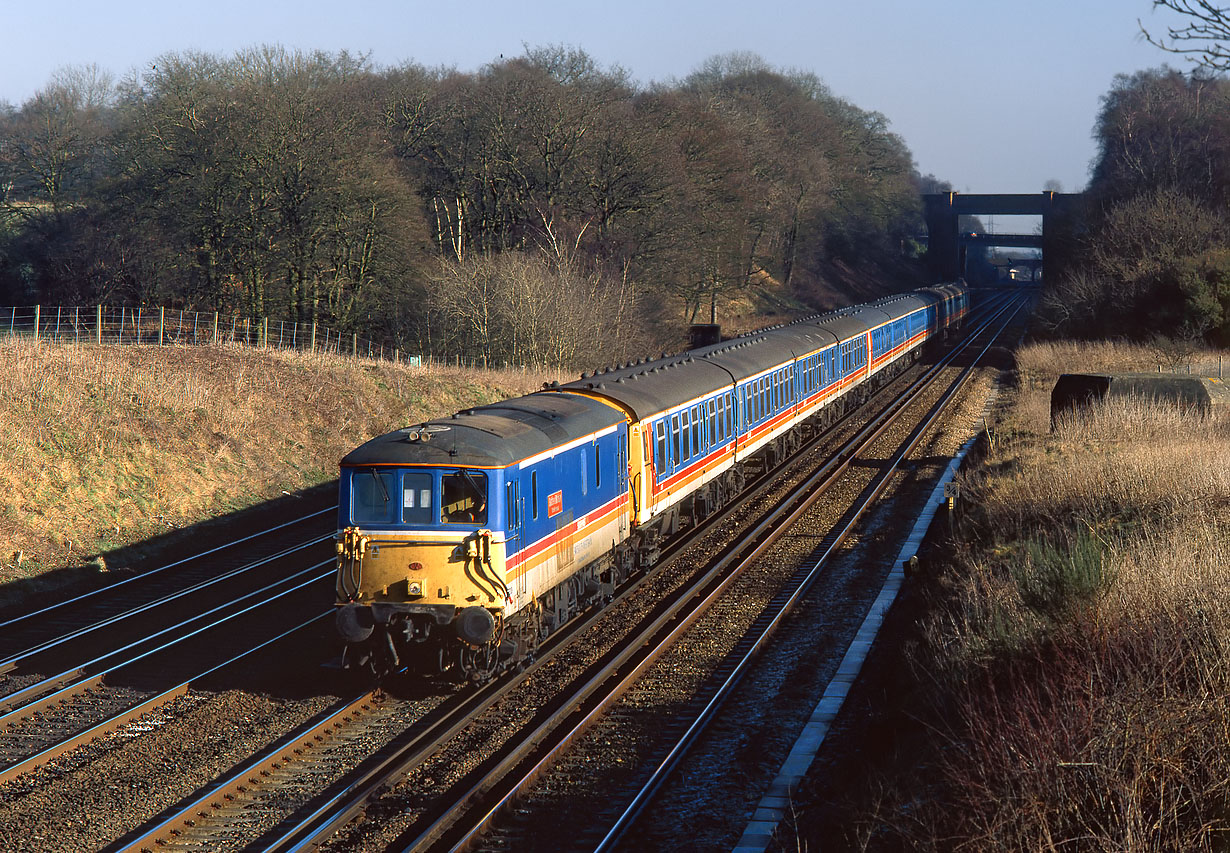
pixel 463 498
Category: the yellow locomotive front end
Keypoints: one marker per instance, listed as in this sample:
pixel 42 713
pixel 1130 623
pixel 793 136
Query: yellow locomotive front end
pixel 420 571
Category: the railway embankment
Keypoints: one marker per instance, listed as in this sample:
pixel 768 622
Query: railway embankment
pixel 104 447
pixel 1056 675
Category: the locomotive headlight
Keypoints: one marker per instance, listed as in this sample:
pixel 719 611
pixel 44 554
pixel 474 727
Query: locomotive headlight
pixel 414 587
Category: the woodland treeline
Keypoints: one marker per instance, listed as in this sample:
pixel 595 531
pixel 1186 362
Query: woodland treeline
pixel 541 210
pixel 1150 254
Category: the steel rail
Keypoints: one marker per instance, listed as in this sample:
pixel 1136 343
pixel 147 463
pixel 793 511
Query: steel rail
pixel 146 575
pixel 135 712
pixel 13 660
pixel 77 687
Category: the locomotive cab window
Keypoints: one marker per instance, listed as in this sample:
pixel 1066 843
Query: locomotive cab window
pixel 416 498
pixel 463 497
pixel 371 496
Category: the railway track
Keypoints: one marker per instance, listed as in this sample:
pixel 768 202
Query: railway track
pixel 79 669
pixel 510 804
pixel 232 806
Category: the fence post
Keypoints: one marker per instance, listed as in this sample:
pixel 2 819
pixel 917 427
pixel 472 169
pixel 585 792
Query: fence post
pixel 265 333
pixel 37 311
pixel 98 325
pixel 162 324
pixel 313 336
pixel 354 347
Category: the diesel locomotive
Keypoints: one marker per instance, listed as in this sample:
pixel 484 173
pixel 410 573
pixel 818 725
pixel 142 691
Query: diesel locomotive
pixel 464 541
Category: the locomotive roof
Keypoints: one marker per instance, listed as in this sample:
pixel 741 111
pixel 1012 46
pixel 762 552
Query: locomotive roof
pixel 494 435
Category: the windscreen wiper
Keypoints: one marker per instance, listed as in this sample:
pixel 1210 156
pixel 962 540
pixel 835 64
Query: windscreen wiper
pixel 379 482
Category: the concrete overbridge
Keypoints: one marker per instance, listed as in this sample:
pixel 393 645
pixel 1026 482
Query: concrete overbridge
pixel 946 244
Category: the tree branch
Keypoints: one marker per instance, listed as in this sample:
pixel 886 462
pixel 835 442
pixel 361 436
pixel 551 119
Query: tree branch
pixel 1207 31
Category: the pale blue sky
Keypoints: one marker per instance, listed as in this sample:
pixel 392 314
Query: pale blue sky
pixel 992 95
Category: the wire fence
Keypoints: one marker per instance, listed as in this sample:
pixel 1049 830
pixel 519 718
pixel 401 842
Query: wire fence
pixel 159 326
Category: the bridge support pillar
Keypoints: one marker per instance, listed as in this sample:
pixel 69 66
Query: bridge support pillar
pixel 943 252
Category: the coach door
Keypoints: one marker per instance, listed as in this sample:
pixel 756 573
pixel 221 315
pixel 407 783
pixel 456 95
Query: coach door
pixel 621 478
pixel 515 511
pixel 638 468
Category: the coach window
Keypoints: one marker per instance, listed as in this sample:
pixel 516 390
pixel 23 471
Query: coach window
pixel 696 442
pixel 416 498
pixel 463 497
pixel 676 438
pixel 660 447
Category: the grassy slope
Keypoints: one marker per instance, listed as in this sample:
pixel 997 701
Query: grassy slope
pixel 1069 680
pixel 103 446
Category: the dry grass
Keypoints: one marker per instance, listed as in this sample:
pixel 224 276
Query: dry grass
pixel 1078 660
pixel 103 446
pixel 1043 362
